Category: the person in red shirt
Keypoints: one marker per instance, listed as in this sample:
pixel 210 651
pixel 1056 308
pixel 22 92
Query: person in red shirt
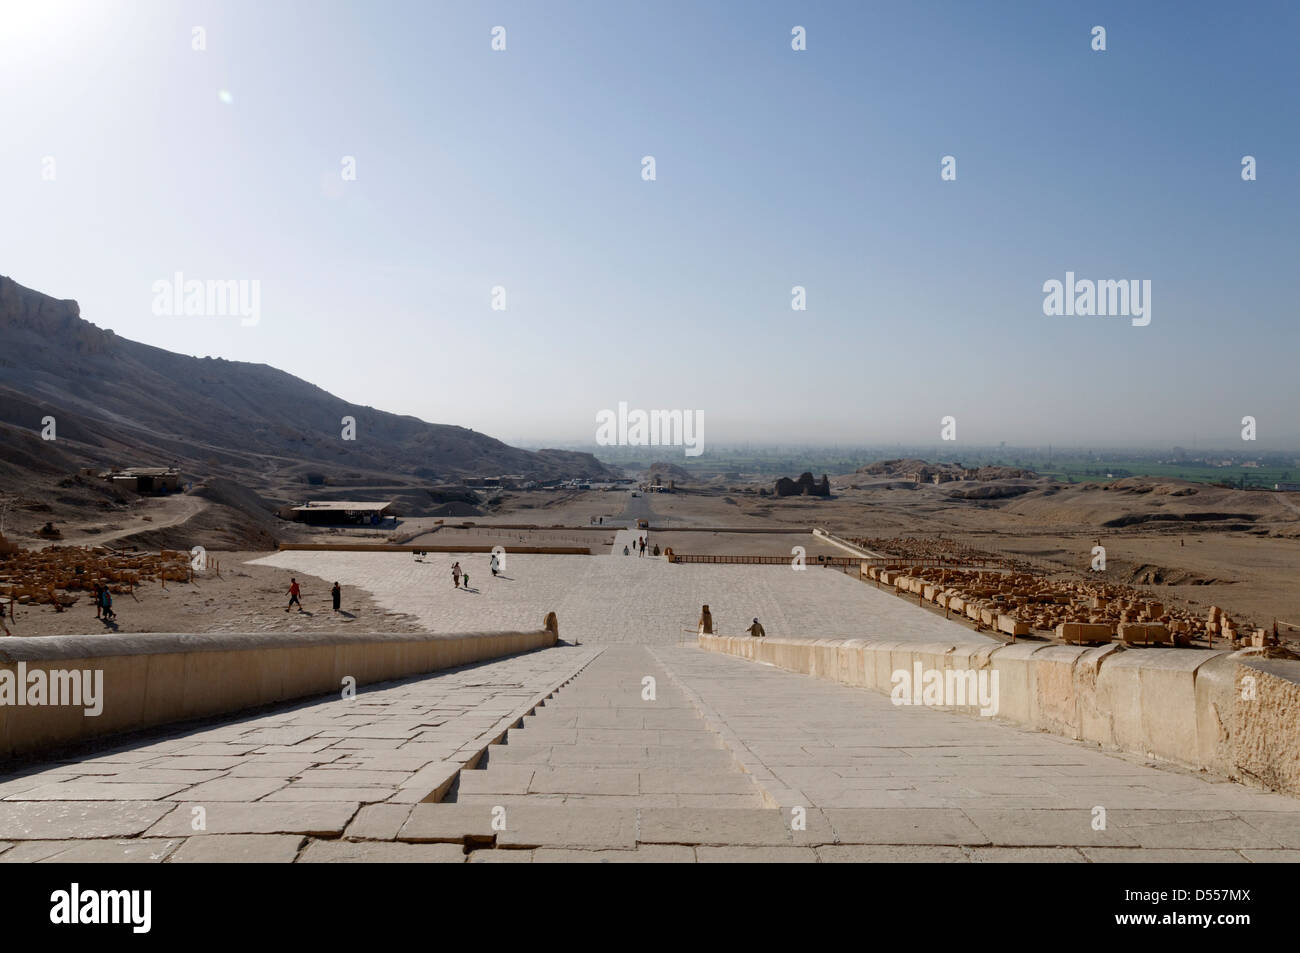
pixel 295 594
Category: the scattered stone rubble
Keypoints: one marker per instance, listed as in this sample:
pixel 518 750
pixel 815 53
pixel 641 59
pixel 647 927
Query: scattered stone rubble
pixel 1018 603
pixel 50 576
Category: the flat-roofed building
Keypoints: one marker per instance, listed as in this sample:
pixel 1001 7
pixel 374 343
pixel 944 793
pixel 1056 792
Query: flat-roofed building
pixel 362 512
pixel 146 479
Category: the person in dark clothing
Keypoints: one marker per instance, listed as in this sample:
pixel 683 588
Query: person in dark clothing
pixel 107 603
pixel 337 595
pixel 99 600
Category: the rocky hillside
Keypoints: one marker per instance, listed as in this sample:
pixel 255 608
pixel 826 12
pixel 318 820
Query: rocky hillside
pixel 118 402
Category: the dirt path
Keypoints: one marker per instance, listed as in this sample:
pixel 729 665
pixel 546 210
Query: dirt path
pixel 162 512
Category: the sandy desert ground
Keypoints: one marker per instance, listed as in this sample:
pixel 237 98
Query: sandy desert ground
pixel 242 598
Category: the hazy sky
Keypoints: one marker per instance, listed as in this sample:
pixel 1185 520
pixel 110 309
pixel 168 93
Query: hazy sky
pixel 774 168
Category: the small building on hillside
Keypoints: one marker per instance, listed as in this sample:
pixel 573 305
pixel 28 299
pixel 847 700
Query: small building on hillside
pixel 145 480
pixel 340 512
pixel 1287 487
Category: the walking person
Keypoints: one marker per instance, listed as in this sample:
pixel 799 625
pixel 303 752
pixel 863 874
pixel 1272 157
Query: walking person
pixel 295 595
pixel 455 575
pixel 465 576
pixel 337 595
pixel 99 600
pixel 756 630
pixel 107 603
pixel 494 564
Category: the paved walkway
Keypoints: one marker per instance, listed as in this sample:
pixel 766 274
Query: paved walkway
pixel 920 784
pixel 626 753
pixel 630 747
pixel 256 787
pixel 627 598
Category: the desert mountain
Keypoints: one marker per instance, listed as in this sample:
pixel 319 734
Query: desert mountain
pixel 117 402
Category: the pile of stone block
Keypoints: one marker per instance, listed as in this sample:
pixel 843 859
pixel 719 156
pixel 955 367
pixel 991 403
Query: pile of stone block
pixel 50 576
pixel 1081 612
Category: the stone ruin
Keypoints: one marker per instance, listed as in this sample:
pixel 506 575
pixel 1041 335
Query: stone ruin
pixel 51 576
pixel 804 486
pixel 1018 603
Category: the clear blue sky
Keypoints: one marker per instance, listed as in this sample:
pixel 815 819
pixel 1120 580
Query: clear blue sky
pixel 775 168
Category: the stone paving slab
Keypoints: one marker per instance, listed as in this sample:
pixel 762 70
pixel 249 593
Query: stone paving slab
pixel 753 827
pixel 378 821
pixel 500 857
pixel 141 850
pixel 644 854
pixel 756 855
pixel 238 849
pixel 569 826
pixel 1122 855
pixel 1272 856
pixel 451 823
pixel 856 854
pixel 58 820
pixel 322 820
pixel 374 852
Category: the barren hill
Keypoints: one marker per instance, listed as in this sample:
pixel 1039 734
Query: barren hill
pixel 119 402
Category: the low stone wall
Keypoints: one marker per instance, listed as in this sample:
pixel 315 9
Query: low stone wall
pixel 1229 713
pixel 844 544
pixel 153 679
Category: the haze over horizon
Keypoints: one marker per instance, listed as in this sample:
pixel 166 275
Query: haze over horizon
pixel 774 168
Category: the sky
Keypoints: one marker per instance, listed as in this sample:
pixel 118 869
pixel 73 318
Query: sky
pixel 144 139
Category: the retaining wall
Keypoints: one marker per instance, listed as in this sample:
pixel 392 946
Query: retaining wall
pixel 1229 713
pixel 154 678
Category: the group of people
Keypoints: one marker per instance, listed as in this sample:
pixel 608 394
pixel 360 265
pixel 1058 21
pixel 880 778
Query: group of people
pixel 295 596
pixel 460 577
pixel 103 603
pixel 638 545
pixel 458 574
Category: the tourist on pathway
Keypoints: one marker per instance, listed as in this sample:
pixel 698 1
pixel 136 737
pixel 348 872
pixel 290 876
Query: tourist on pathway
pixel 106 598
pixel 625 552
pixel 337 595
pixel 642 545
pixel 756 630
pixel 465 576
pixel 495 565
pixel 455 575
pixel 295 595
pixel 99 600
